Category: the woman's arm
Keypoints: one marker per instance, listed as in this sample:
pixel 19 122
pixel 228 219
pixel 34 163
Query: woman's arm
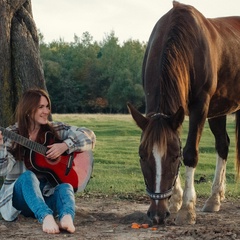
pixel 76 138
pixel 7 160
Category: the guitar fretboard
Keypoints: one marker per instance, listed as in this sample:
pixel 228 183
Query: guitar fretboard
pixel 36 147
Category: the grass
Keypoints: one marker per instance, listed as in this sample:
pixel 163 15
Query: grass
pixel 116 165
pixel 117 170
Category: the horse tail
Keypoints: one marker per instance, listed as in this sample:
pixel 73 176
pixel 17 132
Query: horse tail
pixel 237 132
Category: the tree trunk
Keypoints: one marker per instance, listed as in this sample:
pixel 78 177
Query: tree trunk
pixel 20 63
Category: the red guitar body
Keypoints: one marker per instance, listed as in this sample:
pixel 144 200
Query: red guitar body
pixel 75 168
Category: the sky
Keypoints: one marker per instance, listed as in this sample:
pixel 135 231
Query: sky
pixel 129 19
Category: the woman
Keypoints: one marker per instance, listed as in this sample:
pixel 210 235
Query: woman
pixel 29 192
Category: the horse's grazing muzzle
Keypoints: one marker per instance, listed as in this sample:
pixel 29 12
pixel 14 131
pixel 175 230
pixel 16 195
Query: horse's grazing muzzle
pixel 158 218
pixel 158 211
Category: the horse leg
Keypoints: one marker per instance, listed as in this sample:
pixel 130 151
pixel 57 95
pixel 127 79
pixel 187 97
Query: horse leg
pixel 187 213
pixel 197 117
pixel 218 128
pixel 176 198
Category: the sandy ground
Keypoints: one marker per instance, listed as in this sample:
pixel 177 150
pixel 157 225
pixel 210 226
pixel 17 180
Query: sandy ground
pixel 109 218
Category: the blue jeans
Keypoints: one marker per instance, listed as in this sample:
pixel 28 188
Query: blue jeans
pixel 29 199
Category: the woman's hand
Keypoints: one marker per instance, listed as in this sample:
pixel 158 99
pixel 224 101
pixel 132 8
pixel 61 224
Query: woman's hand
pixel 55 150
pixel 1 138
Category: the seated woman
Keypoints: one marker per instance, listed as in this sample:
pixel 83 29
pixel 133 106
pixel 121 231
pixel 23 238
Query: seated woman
pixel 29 192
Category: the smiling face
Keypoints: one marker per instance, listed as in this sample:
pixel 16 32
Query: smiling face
pixel 41 114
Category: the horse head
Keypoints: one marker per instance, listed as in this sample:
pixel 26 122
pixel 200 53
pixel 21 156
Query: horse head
pixel 160 158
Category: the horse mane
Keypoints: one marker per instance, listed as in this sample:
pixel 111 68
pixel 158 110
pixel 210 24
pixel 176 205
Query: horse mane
pixel 156 132
pixel 175 36
pixel 177 56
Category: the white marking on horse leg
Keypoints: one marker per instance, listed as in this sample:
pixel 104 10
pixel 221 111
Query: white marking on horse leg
pixel 219 180
pixel 213 203
pixel 187 213
pixel 189 194
pixel 176 199
pixel 158 164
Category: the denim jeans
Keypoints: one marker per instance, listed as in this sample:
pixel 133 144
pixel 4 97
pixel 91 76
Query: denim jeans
pixel 29 199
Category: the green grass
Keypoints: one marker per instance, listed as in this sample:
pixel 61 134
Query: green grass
pixel 116 163
pixel 116 169
pixel 116 166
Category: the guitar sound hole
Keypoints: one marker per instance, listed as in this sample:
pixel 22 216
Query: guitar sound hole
pixel 53 161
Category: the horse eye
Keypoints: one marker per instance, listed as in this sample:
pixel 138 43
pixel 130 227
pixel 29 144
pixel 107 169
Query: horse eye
pixel 141 155
pixel 175 158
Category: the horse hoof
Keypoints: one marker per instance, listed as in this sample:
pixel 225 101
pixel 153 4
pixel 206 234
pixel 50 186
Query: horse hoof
pixel 211 207
pixel 212 204
pixel 185 218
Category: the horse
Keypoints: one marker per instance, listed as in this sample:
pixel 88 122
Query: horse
pixel 191 67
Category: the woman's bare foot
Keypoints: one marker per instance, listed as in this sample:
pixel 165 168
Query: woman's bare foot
pixel 66 223
pixel 49 225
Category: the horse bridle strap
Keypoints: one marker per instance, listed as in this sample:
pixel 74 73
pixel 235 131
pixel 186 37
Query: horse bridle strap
pixel 160 196
pixel 168 193
pixel 164 195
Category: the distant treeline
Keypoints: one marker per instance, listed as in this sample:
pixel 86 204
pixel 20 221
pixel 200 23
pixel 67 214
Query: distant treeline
pixel 86 76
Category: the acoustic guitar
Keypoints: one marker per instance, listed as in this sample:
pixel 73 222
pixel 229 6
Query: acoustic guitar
pixel 75 168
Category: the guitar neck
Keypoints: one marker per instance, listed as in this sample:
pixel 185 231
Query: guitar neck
pixel 36 147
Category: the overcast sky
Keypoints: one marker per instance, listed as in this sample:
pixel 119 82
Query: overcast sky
pixel 129 19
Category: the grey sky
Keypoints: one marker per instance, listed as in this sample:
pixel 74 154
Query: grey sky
pixel 127 18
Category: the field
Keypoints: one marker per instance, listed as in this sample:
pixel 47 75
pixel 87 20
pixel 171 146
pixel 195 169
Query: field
pixel 116 163
pixel 115 196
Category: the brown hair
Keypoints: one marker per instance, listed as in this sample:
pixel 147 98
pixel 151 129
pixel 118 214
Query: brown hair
pixel 26 108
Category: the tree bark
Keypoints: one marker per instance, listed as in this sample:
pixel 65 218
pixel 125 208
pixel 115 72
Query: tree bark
pixel 20 62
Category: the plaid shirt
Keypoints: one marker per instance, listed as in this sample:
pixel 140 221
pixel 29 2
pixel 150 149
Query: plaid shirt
pixel 76 138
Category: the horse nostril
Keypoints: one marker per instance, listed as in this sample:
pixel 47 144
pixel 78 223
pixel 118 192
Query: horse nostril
pixel 158 218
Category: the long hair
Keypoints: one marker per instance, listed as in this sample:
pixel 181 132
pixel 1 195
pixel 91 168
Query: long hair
pixel 27 108
pixel 24 115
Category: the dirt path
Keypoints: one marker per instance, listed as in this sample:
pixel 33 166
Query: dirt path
pixel 106 218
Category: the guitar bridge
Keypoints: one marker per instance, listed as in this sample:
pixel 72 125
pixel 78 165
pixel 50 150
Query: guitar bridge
pixel 69 165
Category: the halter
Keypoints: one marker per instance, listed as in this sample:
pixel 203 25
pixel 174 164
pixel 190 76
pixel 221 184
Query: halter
pixel 164 195
pixel 155 115
pixel 168 193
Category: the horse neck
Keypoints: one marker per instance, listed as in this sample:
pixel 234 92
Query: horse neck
pixel 160 102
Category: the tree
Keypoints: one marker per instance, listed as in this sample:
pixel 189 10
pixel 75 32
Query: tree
pixel 21 66
pixel 96 76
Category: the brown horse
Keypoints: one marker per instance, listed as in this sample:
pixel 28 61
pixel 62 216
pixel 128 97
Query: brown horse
pixel 191 67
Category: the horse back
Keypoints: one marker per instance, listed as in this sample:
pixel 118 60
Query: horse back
pixel 189 55
pixel 226 98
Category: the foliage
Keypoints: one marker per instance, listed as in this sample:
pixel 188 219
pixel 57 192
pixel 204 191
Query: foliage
pixel 117 170
pixel 86 76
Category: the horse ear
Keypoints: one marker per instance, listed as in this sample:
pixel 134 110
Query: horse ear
pixel 140 120
pixel 177 118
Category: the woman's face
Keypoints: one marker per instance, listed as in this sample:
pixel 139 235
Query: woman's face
pixel 41 115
